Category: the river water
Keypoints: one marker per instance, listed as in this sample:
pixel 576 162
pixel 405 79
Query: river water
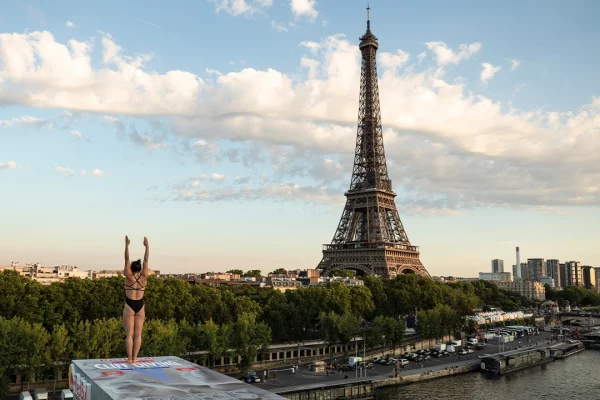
pixel 573 378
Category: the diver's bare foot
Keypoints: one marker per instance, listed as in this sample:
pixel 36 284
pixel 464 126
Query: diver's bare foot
pixel 134 360
pixel 129 360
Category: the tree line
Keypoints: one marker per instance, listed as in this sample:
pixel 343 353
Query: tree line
pixel 81 318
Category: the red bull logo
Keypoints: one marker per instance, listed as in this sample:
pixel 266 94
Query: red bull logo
pixel 80 387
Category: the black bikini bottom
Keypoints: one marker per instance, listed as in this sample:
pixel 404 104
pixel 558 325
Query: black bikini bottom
pixel 135 305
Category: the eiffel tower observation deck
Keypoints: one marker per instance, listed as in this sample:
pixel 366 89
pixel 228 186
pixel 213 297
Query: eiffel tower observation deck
pixel 370 238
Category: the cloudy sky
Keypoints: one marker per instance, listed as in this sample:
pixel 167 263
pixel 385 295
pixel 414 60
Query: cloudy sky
pixel 224 129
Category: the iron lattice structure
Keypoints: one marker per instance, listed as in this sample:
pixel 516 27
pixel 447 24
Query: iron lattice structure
pixel 370 237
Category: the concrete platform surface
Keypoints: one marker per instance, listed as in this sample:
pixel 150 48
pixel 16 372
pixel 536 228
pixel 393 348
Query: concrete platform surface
pixel 156 378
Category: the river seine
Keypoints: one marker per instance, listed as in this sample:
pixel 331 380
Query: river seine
pixel 573 378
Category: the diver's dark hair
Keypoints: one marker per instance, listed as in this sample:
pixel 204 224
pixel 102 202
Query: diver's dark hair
pixel 136 266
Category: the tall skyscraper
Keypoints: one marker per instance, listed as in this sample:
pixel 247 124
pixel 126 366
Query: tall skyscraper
pixel 497 266
pixel 553 271
pixel 562 272
pixel 536 268
pixel 517 266
pixel 573 274
pixel 589 277
pixel 525 271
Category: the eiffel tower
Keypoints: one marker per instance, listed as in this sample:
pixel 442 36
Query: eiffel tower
pixel 370 238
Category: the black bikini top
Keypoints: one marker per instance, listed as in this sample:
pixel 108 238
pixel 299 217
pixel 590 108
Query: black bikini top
pixel 130 287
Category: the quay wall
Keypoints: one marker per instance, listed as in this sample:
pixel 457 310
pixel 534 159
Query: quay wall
pixel 426 375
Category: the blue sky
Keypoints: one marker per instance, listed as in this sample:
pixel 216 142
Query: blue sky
pixel 224 130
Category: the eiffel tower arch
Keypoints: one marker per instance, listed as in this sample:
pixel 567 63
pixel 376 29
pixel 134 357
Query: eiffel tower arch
pixel 370 238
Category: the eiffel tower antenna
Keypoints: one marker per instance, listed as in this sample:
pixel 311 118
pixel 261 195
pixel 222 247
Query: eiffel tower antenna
pixel 370 238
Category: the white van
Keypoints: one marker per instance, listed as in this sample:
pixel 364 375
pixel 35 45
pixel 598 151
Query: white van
pixel 66 394
pixel 473 341
pixel 25 396
pixel 40 394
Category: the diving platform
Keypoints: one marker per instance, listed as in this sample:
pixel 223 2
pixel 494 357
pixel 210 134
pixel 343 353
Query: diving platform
pixel 156 378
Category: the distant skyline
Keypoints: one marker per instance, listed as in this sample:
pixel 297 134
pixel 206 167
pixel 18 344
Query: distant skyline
pixel 224 130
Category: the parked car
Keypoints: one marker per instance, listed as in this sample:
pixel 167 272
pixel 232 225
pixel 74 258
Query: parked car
pixel 25 396
pixel 462 352
pixel 470 351
pixel 369 365
pixel 403 361
pixel 479 346
pixel 251 377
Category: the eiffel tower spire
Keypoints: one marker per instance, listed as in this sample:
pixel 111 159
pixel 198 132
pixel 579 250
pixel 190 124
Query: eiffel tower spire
pixel 370 237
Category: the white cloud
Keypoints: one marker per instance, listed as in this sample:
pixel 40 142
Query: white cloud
pixel 514 64
pixel 76 133
pixel 8 165
pixel 64 171
pixel 488 72
pixel 312 46
pixel 217 177
pixel 264 3
pixel 445 55
pixel 27 120
pixel 278 27
pixel 95 172
pixel 448 147
pixel 304 8
pixel 421 56
pixel 269 192
pixel 393 60
pixel 241 7
pixel 36 70
pixel 69 24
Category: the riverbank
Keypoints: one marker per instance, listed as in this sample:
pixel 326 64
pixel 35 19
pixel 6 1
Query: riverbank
pixel 365 387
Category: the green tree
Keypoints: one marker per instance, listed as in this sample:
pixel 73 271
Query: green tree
pixel 162 338
pixel 279 271
pixel 248 337
pixel 343 273
pixel 236 271
pixel 375 332
pixel 361 301
pixel 37 354
pixel 59 348
pixel 347 328
pixel 394 330
pixel 214 340
pixel 253 273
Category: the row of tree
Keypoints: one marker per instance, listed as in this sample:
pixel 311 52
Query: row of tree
pixel 30 350
pixel 574 295
pixel 293 315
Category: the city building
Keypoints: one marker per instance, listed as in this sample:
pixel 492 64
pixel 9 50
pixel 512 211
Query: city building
pixel 495 276
pixel 283 284
pixel 547 280
pixel 345 281
pixel 26 270
pixel 553 271
pixel 524 271
pixel 48 275
pixel 573 274
pixel 497 266
pixel 517 267
pixel 536 268
pixel 597 274
pixel 562 275
pixel 453 279
pixel 530 289
pixel 589 277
